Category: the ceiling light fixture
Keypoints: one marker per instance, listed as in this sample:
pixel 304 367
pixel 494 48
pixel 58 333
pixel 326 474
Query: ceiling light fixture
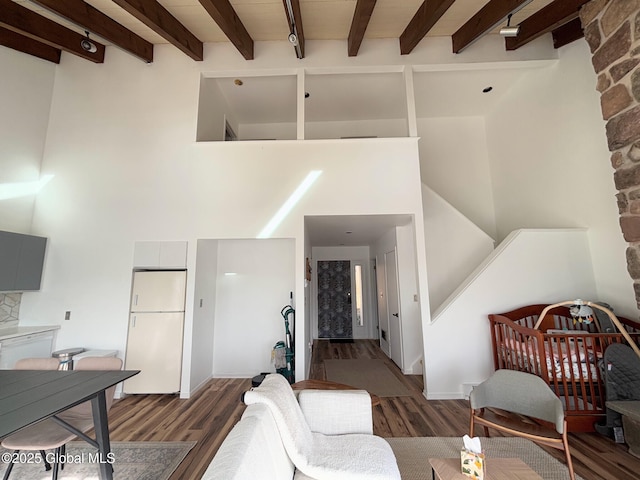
pixel 87 45
pixel 293 35
pixel 509 31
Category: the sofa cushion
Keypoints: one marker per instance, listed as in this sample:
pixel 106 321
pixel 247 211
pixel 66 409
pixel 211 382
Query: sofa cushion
pixel 251 450
pixel 337 412
pixel 324 457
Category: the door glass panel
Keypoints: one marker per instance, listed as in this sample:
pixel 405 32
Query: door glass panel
pixel 358 282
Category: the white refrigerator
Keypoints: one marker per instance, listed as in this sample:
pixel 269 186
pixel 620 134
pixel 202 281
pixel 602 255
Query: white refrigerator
pixel 156 324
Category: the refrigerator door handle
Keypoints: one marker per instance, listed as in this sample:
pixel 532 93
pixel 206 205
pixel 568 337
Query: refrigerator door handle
pixel 135 300
pixel 134 322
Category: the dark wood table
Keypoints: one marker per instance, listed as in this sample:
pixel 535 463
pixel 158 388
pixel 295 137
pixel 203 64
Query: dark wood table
pixel 29 396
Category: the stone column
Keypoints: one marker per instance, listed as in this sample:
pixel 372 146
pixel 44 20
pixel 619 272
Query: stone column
pixel 612 30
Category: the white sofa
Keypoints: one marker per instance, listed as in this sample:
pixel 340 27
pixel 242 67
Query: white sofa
pixel 253 449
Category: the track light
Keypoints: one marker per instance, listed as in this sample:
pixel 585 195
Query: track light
pixel 87 45
pixel 509 31
pixel 293 36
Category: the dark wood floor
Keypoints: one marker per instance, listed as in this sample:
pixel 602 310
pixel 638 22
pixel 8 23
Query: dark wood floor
pixel 209 415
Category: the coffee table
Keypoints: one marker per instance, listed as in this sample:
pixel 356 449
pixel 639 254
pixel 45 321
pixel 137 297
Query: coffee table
pixel 496 469
pixel 327 385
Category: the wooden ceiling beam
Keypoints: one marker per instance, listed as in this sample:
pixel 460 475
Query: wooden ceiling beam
pixel 94 21
pixel 28 45
pixel 361 17
pixel 425 18
pixel 491 15
pixel 567 33
pixel 549 18
pixel 297 19
pixel 225 16
pixel 158 19
pixel 28 23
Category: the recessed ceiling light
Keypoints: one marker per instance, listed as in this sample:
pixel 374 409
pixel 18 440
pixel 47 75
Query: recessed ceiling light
pixel 487 89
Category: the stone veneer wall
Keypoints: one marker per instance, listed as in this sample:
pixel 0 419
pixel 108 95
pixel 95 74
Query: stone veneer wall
pixel 9 309
pixel 612 30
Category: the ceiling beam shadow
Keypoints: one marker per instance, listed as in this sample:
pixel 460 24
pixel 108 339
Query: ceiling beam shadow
pixel 490 16
pixel 225 16
pixel 567 33
pixel 28 45
pixel 28 23
pixel 549 18
pixel 94 21
pixel 158 19
pixel 425 18
pixel 361 17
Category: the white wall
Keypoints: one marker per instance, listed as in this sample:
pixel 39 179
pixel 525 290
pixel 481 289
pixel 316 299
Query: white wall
pixel 267 131
pixel 204 310
pixel 26 88
pixel 529 267
pixel 127 168
pixel 356 255
pixel 409 299
pixel 247 314
pixel 455 246
pixel 455 164
pixel 550 166
pixel 213 112
pixel 356 128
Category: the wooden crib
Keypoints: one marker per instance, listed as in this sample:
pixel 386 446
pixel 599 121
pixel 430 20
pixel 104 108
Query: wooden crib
pixel 568 355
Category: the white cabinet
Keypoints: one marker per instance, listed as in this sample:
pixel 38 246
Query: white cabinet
pixel 160 255
pixel 25 346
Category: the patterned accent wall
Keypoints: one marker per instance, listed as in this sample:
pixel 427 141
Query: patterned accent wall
pixel 612 30
pixel 9 309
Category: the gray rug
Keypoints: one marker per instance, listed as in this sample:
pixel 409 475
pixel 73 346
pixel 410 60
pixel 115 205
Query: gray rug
pixel 413 455
pixel 131 461
pixel 370 375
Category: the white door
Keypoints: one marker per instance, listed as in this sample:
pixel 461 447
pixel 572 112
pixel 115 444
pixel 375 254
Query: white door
pixel 383 312
pixel 158 291
pixel 393 307
pixel 154 346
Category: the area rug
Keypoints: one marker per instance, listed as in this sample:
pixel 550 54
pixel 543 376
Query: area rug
pixel 370 375
pixel 131 461
pixel 413 455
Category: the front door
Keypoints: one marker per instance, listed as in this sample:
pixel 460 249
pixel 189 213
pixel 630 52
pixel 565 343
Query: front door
pixel 334 299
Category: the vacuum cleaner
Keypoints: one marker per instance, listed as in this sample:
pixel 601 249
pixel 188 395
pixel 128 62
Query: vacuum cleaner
pixel 283 353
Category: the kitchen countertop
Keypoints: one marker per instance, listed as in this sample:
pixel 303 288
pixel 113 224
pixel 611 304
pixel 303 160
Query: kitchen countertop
pixel 12 332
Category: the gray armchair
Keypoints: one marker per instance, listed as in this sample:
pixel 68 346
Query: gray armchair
pixel 521 404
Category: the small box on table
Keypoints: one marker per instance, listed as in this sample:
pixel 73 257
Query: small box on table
pixel 472 464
